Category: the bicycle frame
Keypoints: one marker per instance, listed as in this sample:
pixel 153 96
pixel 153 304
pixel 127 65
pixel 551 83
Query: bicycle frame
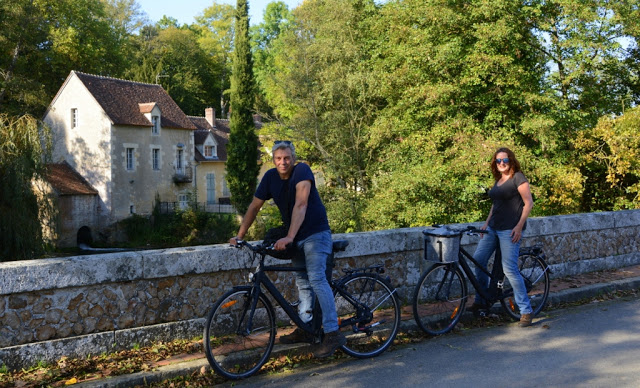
pixel 260 278
pixel 494 291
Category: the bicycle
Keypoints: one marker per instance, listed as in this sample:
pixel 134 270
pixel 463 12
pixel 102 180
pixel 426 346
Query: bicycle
pixel 240 331
pixel 440 297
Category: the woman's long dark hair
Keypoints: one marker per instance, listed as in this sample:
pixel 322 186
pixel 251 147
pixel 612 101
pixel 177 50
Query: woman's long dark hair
pixel 514 165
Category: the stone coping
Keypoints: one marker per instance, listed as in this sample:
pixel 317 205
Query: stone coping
pixel 56 273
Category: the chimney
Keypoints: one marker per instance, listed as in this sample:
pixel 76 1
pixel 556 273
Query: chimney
pixel 210 115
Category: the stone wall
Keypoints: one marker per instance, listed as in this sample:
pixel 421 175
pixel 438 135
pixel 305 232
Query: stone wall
pixel 92 304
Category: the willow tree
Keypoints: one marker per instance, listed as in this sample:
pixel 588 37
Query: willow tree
pixel 24 147
pixel 242 150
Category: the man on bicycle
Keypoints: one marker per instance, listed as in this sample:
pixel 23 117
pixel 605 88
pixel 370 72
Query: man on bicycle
pixel 292 187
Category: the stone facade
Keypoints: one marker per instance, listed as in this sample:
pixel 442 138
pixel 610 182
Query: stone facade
pixel 75 305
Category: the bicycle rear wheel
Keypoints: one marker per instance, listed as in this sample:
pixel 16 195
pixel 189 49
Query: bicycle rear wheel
pixel 439 299
pixel 368 314
pixel 535 273
pixel 237 343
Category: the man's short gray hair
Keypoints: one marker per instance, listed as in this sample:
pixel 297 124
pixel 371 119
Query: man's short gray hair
pixel 284 145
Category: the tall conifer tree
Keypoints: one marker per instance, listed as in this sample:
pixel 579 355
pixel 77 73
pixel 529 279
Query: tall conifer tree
pixel 242 150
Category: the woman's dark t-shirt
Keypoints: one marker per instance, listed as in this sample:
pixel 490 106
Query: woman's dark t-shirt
pixel 507 203
pixel 283 193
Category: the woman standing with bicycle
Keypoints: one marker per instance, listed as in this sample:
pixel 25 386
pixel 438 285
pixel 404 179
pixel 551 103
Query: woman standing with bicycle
pixel 512 203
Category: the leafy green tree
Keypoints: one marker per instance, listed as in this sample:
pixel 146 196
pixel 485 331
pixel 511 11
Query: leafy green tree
pixel 315 76
pixel 242 149
pixel 42 41
pixel 581 42
pixel 215 28
pixel 610 152
pixel 24 147
pixel 173 58
pixel 276 19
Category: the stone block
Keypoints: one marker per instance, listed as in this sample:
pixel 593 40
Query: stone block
pixel 16 357
pixel 32 275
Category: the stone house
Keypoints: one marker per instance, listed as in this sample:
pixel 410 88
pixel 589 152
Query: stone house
pixel 134 146
pixel 129 140
pixel 77 203
pixel 210 156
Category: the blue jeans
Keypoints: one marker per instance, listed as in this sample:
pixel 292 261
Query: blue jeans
pixel 509 250
pixel 314 252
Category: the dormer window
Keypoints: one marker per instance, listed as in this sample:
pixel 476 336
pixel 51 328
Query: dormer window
pixel 155 129
pixel 74 117
pixel 210 151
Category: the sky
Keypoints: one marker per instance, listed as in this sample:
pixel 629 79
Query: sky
pixel 186 10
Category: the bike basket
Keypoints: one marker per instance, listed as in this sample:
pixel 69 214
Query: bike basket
pixel 441 245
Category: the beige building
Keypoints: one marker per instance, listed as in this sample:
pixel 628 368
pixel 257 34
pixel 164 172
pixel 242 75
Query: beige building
pixel 129 140
pixel 210 157
pixel 132 143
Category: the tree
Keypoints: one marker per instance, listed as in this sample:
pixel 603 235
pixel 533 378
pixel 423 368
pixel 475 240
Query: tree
pixel 242 149
pixel 460 80
pixel 215 28
pixel 24 147
pixel 276 19
pixel 610 152
pixel 173 58
pixel 47 39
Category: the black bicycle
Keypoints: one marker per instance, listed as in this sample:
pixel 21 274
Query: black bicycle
pixel 441 294
pixel 240 331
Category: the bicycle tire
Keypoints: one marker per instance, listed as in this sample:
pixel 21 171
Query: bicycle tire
pixel 439 299
pixel 231 353
pixel 370 330
pixel 536 277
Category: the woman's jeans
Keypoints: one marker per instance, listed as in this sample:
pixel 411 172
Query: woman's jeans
pixel 314 253
pixel 487 245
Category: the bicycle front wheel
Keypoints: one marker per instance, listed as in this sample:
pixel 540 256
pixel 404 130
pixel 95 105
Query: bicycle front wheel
pixel 535 273
pixel 237 340
pixel 368 314
pixel 439 299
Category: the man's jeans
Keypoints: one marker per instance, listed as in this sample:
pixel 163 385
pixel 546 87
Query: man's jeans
pixel 509 250
pixel 314 252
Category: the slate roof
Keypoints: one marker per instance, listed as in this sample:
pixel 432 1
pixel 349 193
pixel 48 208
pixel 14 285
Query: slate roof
pixel 220 134
pixel 126 101
pixel 67 181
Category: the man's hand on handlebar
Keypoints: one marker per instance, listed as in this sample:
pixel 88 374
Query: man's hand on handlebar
pixel 281 244
pixel 234 241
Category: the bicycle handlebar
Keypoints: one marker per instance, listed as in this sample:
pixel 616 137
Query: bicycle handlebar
pixel 258 248
pixel 469 230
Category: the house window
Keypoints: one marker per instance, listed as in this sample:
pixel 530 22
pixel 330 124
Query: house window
pixel 155 130
pixel 211 188
pixel 155 158
pixel 180 162
pixel 183 201
pixel 131 159
pixel 74 117
pixel 209 151
pixel 225 188
pixel 132 209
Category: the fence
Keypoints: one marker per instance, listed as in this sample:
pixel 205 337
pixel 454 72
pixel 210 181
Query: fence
pixel 172 207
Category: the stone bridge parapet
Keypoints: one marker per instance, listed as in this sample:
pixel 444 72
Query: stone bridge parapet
pixel 84 305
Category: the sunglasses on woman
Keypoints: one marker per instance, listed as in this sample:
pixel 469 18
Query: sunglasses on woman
pixel 503 160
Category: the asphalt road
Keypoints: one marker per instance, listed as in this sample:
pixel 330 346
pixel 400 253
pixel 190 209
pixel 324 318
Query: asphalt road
pixel 594 345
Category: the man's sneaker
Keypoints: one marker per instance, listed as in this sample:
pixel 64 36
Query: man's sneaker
pixel 298 335
pixel 331 342
pixel 525 320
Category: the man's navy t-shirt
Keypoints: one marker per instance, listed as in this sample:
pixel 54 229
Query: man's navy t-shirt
pixel 283 193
